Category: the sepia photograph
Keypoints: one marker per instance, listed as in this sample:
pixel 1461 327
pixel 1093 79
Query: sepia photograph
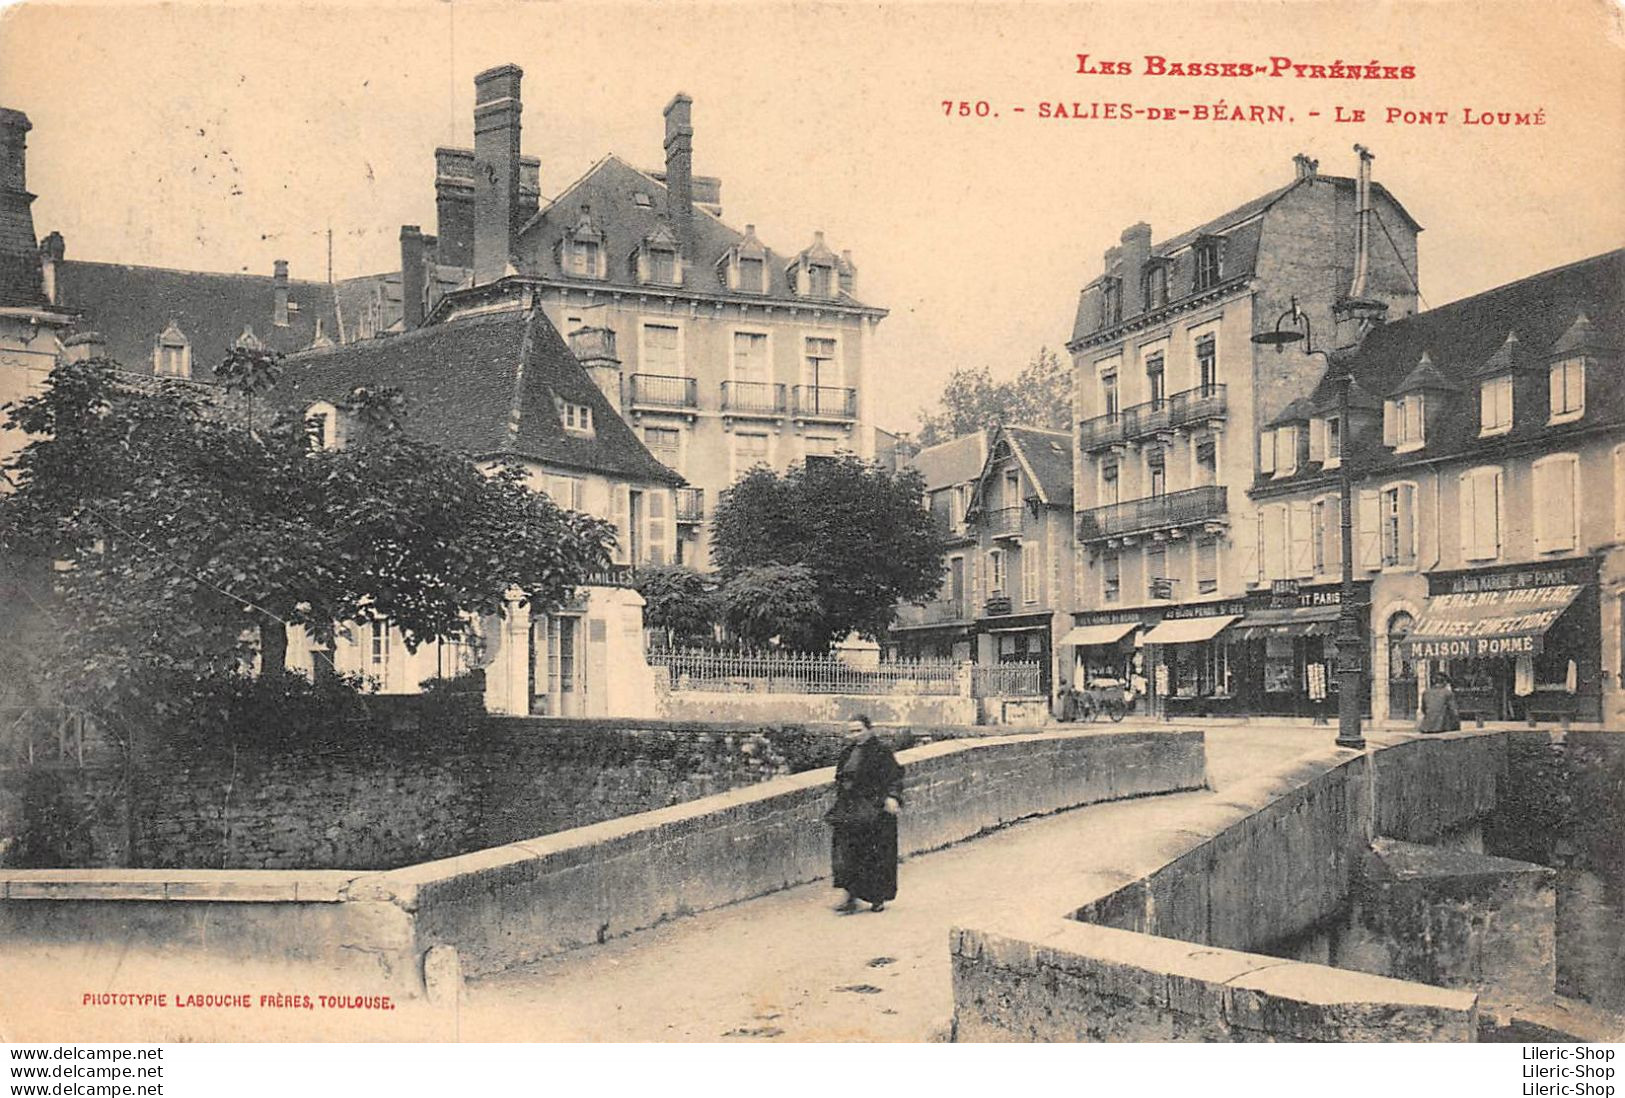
pixel 791 523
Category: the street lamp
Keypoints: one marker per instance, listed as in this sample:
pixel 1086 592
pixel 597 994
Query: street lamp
pixel 1350 673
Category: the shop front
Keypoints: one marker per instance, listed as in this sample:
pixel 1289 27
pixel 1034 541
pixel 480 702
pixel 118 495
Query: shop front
pixel 1192 660
pixel 1521 642
pixel 1018 638
pixel 1284 650
pixel 1103 645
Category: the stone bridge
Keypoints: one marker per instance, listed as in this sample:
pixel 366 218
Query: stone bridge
pixel 708 920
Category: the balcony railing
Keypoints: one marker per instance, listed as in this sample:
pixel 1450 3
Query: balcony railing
pixel 996 605
pixel 1101 431
pixel 1196 405
pixel 1002 522
pixel 826 402
pixel 664 391
pixel 761 398
pixel 935 612
pixel 1190 406
pixel 1135 516
pixel 690 504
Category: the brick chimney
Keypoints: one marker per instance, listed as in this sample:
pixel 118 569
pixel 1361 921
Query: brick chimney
pixel 411 277
pixel 279 284
pixel 454 206
pixel 19 258
pixel 1136 250
pixel 594 346
pixel 1303 167
pixel 53 250
pixel 496 169
pixel 680 170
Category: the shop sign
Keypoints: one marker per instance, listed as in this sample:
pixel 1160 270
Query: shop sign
pixel 1555 574
pixel 1207 610
pixel 1286 594
pixel 1110 617
pixel 1488 623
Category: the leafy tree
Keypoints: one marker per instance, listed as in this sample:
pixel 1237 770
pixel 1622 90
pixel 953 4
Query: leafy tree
pixel 775 600
pixel 181 531
pixel 862 533
pixel 1040 396
pixel 677 600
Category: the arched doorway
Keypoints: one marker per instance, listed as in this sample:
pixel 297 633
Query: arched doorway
pixel 1401 669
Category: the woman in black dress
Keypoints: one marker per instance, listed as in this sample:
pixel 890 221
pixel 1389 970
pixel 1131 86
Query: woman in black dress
pixel 868 795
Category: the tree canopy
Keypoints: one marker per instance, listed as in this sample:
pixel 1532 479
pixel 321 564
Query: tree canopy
pixel 1039 396
pixel 179 525
pixel 862 534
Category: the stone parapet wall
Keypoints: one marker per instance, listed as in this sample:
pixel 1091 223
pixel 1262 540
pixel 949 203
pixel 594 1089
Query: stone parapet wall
pixel 1069 981
pixel 370 932
pixel 908 709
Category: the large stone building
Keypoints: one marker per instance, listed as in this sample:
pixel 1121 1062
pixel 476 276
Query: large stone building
pixel 944 627
pixel 721 352
pixel 1487 439
pixel 1175 407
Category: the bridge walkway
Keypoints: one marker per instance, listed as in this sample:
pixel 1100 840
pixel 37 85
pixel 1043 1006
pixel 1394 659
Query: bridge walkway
pixel 786 967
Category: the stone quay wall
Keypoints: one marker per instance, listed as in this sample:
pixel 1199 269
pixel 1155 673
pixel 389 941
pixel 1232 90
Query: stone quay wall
pixel 380 801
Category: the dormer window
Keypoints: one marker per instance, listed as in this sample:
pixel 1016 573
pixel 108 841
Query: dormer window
pixel 1206 253
pixel 814 270
pixel 1111 302
pixel 577 418
pixel 820 280
pixel 656 261
pixel 663 265
pixel 1156 285
pixel 172 353
pixel 1286 450
pixel 1495 405
pixel 1403 422
pixel 584 258
pixel 750 275
pixel 1568 389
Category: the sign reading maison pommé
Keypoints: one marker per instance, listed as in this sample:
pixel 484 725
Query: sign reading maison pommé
pixel 1489 623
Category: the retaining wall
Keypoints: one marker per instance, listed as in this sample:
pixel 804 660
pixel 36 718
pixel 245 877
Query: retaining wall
pixel 916 709
pixel 525 900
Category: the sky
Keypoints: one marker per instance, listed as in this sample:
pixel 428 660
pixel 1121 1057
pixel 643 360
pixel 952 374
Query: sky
pixel 221 137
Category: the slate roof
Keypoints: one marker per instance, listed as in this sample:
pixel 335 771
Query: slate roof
pixel 1049 455
pixel 1241 230
pixel 957 461
pixel 485 384
pixel 609 190
pixel 131 305
pixel 1464 337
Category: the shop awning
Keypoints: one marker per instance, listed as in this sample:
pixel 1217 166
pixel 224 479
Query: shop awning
pixel 1293 621
pixel 1188 630
pixel 1512 622
pixel 1111 633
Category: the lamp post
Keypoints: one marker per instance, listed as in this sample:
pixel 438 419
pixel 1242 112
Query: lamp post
pixel 1350 672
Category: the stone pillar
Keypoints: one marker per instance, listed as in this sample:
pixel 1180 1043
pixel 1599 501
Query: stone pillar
pixel 507 674
pixel 625 687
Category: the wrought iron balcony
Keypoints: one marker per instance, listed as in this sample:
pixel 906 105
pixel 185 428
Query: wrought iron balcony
pixel 1002 522
pixel 1135 516
pixel 664 391
pixel 1100 432
pixel 1144 419
pixel 753 398
pixel 825 402
pixel 1206 402
pixel 690 504
pixel 935 612
pixel 996 605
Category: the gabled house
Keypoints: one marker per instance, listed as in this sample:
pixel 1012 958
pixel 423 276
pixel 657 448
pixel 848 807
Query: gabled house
pixel 1020 512
pixel 1487 442
pixel 493 378
pixel 944 627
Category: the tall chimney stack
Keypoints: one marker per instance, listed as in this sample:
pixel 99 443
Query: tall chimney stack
pixel 496 169
pixel 1362 212
pixel 680 169
pixel 279 284
pixel 454 206
pixel 411 277
pixel 19 257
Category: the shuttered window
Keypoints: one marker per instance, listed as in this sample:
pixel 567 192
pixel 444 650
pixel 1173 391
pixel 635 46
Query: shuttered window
pixel 1554 490
pixel 1480 514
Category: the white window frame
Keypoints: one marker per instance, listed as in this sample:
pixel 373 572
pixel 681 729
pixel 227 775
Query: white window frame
pixel 997 576
pixel 1410 424
pixel 837 360
pixel 576 418
pixel 1568 413
pixel 1400 562
pixel 1500 425
pixel 1109 367
pixel 567 491
pixel 1286 438
pixel 1208 332
pixel 739 273
pixel 1031 563
pixel 1471 549
pixel 767 354
pixel 681 449
pixel 1106 593
pixel 1332 460
pixel 644 324
pixel 1556 541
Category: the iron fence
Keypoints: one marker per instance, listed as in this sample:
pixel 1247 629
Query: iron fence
pixel 1007 680
pixel 795 673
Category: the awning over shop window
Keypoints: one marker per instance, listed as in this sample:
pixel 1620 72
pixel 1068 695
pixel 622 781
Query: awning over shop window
pixel 1188 630
pixel 1294 621
pixel 1084 635
pixel 1488 624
